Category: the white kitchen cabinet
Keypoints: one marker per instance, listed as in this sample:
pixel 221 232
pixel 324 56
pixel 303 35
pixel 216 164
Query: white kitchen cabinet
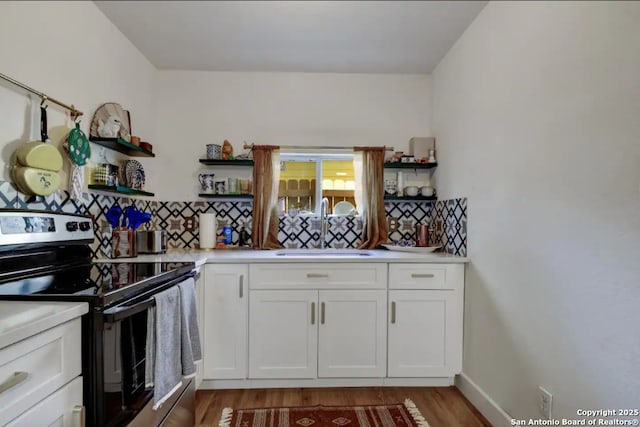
pixel 309 334
pixel 61 409
pixel 283 337
pixel 40 364
pixel 225 321
pixel 425 320
pixel 200 283
pixel 352 334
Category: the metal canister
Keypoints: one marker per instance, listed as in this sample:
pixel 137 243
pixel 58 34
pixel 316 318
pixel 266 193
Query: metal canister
pixel 422 235
pixel 227 233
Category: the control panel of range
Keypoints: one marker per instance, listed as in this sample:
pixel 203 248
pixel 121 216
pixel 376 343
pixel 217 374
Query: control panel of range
pixel 27 226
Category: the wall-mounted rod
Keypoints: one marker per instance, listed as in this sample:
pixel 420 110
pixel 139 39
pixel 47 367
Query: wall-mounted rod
pixel 312 147
pixel 74 113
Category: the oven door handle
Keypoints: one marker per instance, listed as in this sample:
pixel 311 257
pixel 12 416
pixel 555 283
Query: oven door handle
pixel 120 312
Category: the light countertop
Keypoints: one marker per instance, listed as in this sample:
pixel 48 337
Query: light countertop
pixel 242 256
pixel 22 319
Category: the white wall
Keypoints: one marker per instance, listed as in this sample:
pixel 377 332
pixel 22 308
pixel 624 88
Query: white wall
pixel 72 52
pixel 198 108
pixel 537 116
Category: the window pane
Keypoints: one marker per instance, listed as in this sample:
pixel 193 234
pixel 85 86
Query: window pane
pixel 297 187
pixel 338 182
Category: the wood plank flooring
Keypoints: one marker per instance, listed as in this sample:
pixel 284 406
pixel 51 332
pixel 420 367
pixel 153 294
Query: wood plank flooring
pixel 441 406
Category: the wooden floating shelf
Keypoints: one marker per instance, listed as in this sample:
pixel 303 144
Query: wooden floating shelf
pixel 119 144
pixel 391 198
pixel 120 189
pixel 227 196
pixel 399 165
pixel 227 162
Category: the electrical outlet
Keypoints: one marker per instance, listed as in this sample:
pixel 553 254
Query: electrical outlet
pixel 392 223
pixel 545 399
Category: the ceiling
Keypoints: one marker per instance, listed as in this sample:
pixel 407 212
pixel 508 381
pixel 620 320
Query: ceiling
pixel 298 36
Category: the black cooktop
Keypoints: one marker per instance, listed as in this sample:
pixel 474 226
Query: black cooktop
pixel 101 284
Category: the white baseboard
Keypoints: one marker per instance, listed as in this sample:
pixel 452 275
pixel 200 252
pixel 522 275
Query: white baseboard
pixel 483 402
pixel 327 382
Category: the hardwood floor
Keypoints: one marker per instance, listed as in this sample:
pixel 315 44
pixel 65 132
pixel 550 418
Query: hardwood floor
pixel 441 406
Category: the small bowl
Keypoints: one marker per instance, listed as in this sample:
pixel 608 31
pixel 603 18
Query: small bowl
pixel 146 146
pixel 427 191
pixel 411 191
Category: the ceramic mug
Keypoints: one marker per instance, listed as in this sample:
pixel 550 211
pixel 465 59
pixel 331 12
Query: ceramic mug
pixel 214 152
pixel 390 186
pixel 206 182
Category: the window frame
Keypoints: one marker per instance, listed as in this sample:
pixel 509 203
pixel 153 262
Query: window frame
pixel 318 158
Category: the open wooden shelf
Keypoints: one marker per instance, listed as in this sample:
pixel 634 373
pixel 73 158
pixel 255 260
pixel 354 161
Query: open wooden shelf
pixel 227 162
pixel 119 144
pixel 399 165
pixel 226 196
pixel 121 189
pixel 392 198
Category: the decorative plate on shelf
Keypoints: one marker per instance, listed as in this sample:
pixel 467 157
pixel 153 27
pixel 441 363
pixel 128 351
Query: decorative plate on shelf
pixel 414 249
pixel 134 174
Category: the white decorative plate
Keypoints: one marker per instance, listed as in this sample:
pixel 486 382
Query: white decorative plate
pixel 134 173
pixel 343 208
pixel 414 249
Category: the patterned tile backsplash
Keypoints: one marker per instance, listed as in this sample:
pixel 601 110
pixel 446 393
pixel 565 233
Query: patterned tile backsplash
pixel 180 219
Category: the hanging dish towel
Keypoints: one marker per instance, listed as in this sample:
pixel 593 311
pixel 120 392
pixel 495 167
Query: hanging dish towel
pixel 166 354
pixel 191 350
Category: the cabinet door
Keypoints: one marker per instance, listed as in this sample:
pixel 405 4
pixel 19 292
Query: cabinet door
pixel 352 328
pixel 200 281
pixel 424 334
pixel 61 409
pixel 225 321
pixel 283 334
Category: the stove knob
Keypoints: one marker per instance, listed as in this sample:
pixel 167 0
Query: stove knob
pixel 72 226
pixel 85 226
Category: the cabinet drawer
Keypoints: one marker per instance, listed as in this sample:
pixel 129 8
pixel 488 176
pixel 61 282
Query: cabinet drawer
pixel 63 408
pixel 425 276
pixel 38 366
pixel 318 276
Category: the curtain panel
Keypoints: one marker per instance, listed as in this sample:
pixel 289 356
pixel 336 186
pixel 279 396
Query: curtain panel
pixel 368 167
pixel 266 175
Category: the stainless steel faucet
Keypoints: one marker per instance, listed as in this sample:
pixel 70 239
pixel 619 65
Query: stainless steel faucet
pixel 324 222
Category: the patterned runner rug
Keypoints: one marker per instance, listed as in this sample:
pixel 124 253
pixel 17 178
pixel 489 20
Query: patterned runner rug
pixel 397 415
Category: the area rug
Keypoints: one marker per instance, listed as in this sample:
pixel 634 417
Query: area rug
pixel 397 415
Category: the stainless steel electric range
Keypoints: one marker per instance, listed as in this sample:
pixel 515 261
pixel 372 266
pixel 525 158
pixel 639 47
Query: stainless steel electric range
pixel 46 256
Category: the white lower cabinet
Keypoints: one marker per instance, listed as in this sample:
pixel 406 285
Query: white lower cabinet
pixel 352 334
pixel 425 320
pixel 310 334
pixel 309 322
pixel 225 321
pixel 283 334
pixel 61 409
pixel 199 284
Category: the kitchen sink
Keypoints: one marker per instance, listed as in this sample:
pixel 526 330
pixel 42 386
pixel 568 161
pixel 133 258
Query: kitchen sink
pixel 323 252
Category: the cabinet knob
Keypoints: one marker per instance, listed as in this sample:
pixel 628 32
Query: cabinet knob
pixel 313 313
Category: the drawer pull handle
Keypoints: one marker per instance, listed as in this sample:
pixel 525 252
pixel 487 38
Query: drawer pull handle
pixel 317 275
pixel 313 313
pixel 241 285
pixel 322 313
pixel 393 312
pixel 79 413
pixel 422 275
pixel 13 381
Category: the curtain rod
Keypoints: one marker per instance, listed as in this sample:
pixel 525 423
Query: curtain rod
pixel 313 147
pixel 74 113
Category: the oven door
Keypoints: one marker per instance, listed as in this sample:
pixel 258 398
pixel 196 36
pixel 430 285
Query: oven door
pixel 125 393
